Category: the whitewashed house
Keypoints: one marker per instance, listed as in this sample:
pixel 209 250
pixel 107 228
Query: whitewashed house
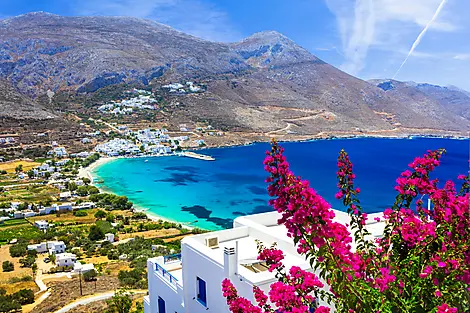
pixel 18 214
pixel 42 225
pixel 56 247
pixel 109 237
pixel 65 259
pixel 29 213
pixel 191 282
pixel 83 268
pixel 39 247
pixel 64 207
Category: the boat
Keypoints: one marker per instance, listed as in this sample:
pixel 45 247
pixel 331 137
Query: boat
pixel 146 161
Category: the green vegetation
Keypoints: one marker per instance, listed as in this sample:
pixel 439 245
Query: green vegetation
pixel 13 222
pixel 83 191
pixel 8 266
pixel 20 249
pixel 100 214
pixel 111 202
pixel 95 233
pixel 121 302
pixel 80 213
pixel 90 275
pixel 25 232
pixel 13 302
pixel 28 261
pixel 15 280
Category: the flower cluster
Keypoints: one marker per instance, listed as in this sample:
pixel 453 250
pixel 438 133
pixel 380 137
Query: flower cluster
pixel 423 251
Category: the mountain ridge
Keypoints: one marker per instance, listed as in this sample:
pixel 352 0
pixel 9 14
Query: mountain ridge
pixel 256 85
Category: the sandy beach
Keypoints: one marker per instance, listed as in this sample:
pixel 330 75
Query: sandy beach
pixel 87 171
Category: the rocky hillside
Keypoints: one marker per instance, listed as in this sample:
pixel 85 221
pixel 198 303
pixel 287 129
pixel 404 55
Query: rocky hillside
pixel 445 101
pixel 14 105
pixel 264 83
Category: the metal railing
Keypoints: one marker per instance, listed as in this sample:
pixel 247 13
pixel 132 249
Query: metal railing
pixel 172 258
pixel 165 274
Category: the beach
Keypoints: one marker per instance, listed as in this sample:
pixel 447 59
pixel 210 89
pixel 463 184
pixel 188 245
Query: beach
pixel 87 171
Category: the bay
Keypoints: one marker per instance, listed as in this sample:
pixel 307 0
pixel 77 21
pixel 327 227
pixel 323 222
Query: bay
pixel 210 194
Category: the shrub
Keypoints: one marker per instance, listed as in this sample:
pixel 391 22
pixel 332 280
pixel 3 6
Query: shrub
pixel 90 275
pixel 25 278
pixel 420 264
pixel 95 233
pixel 18 250
pixel 8 266
pixel 80 213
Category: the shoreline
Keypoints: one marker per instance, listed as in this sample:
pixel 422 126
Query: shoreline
pixel 88 171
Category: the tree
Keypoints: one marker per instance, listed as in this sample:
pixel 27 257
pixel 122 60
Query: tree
pixel 421 264
pixel 18 250
pixel 121 302
pixel 19 168
pixel 90 275
pixel 95 233
pixel 71 186
pixel 82 191
pixel 86 180
pixel 30 173
pixel 28 261
pixel 8 266
pixel 110 217
pixel 100 214
pixel 47 175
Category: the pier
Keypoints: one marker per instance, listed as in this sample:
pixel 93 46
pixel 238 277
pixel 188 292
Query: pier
pixel 197 156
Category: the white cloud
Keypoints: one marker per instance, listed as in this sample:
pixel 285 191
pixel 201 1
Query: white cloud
pixel 383 24
pixel 462 57
pixel 194 17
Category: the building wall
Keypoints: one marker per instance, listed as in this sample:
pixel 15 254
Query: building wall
pixel 160 287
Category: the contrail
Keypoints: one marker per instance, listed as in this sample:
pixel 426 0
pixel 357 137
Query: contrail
pixel 421 35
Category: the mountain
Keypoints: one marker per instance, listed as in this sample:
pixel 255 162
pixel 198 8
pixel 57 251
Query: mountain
pixel 263 84
pixel 443 99
pixel 14 105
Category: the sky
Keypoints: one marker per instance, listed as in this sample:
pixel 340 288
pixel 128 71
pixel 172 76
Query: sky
pixel 365 38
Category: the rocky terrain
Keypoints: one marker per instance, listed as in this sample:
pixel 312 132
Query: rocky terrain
pixel 263 84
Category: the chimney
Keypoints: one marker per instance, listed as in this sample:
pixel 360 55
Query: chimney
pixel 231 260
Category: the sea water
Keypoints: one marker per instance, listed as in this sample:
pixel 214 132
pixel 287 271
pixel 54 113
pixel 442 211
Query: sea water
pixel 210 194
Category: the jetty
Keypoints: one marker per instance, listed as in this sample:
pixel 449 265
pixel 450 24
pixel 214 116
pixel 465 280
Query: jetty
pixel 197 156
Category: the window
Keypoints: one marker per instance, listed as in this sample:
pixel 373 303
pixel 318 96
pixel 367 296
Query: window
pixel 161 305
pixel 201 291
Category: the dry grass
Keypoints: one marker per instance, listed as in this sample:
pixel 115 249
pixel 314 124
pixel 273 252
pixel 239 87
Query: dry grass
pixel 115 267
pixel 12 288
pixel 64 292
pixel 17 272
pixel 151 233
pixel 10 166
pixel 96 259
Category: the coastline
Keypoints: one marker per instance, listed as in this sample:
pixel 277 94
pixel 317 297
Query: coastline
pixel 88 172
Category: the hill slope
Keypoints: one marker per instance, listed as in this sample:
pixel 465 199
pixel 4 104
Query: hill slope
pixel 264 83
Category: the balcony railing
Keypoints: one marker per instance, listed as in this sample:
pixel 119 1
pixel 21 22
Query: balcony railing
pixel 165 274
pixel 172 258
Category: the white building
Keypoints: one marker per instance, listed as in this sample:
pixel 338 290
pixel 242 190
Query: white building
pixel 109 237
pixel 83 268
pixel 39 247
pixel 53 247
pixel 42 225
pixel 64 207
pixel 191 282
pixel 65 259
pixel 18 214
pixel 56 247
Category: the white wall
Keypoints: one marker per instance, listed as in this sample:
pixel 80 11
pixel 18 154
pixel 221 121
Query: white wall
pixel 160 287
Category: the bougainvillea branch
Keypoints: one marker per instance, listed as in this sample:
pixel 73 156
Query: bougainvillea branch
pixel 421 263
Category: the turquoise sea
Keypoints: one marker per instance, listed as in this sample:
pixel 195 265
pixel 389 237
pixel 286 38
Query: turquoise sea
pixel 210 194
